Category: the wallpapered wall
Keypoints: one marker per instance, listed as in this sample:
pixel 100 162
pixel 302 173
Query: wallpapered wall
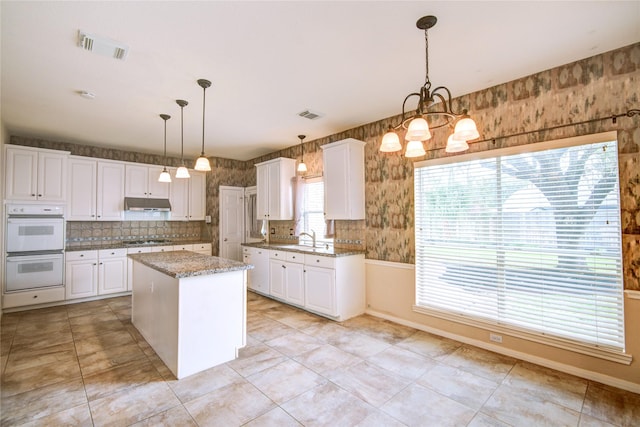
pixel 595 87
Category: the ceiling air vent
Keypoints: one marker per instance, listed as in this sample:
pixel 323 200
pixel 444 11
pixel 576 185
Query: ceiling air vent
pixel 311 115
pixel 102 45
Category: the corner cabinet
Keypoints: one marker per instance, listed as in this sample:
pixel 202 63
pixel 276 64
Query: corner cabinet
pixel 35 174
pixel 274 189
pixel 343 171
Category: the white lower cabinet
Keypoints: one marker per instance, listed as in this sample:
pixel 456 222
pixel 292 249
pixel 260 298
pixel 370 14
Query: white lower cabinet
pixel 202 248
pixel 320 290
pixel 112 271
pixel 138 250
pixel 258 277
pixel 81 274
pixel 97 272
pixel 286 277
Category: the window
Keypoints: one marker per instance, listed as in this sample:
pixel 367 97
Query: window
pixel 313 210
pixel 529 242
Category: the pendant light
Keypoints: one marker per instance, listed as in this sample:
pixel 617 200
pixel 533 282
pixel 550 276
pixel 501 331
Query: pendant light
pixel 182 171
pixel 301 166
pixel 165 176
pixel 202 164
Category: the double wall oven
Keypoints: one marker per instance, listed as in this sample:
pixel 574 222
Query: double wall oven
pixel 35 247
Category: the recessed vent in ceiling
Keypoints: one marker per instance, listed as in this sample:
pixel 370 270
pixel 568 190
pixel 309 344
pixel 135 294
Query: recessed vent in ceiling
pixel 311 115
pixel 102 45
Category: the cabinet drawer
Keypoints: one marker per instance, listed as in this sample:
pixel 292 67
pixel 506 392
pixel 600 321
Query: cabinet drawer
pixel 320 261
pixel 81 255
pixel 161 248
pixel 182 247
pixel 278 255
pixel 294 257
pixel 142 250
pixel 112 253
pixel 19 299
pixel 246 250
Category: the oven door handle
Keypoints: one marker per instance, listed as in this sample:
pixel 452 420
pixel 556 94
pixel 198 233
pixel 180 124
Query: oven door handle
pixel 22 257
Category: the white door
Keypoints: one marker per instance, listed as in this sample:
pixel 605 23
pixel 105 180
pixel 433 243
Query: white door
pixel 231 222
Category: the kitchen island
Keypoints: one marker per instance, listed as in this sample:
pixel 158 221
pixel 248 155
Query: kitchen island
pixel 191 308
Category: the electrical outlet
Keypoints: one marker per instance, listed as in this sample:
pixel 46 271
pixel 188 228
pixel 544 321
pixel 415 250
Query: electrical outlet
pixel 495 338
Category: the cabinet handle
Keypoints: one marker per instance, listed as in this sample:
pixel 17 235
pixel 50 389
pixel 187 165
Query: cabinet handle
pixel 82 255
pixel 95 263
pixel 113 253
pixel 33 195
pixel 284 266
pixel 35 296
pixel 39 195
pixel 317 260
pixel 225 239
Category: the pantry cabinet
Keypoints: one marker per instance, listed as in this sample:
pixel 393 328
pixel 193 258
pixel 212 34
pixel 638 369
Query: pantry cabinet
pixel 343 174
pixel 274 189
pixel 35 174
pixel 142 181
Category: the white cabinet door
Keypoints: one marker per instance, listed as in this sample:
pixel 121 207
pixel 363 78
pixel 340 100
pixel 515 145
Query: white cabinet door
pixel 81 275
pixel 294 283
pixel 260 273
pixel 112 271
pixel 52 176
pixel 110 191
pixel 140 250
pixel 274 189
pixel 81 205
pixel 197 195
pixel 22 174
pixel 277 277
pixel 142 181
pixel 262 188
pixel 343 174
pixel 33 174
pixel 246 258
pixel 320 290
pixel 136 181
pixel 157 189
pixel 179 198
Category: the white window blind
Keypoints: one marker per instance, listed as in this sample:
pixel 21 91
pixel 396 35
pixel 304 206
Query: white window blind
pixel 313 213
pixel 527 241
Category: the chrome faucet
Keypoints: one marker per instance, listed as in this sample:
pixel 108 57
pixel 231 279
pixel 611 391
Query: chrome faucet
pixel 313 236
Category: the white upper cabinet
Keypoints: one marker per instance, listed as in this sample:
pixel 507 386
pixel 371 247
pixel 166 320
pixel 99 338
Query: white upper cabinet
pixel 82 195
pixel 274 189
pixel 188 196
pixel 35 174
pixel 110 191
pixel 197 195
pixel 142 181
pixel 343 165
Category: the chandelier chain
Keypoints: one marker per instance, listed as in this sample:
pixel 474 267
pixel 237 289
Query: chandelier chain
pixel 426 55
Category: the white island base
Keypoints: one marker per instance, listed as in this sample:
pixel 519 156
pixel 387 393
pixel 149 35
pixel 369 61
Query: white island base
pixel 192 323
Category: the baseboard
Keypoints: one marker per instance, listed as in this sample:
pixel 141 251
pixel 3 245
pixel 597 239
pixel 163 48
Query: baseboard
pixel 572 370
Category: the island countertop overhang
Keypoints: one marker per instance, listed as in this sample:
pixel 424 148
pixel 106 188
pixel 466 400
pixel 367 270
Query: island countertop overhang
pixel 183 264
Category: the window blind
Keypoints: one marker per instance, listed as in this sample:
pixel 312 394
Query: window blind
pixel 529 241
pixel 313 213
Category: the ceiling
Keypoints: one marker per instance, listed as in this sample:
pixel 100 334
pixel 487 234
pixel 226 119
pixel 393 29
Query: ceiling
pixel 353 62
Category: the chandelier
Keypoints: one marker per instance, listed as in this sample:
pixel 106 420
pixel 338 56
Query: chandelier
pixel 434 110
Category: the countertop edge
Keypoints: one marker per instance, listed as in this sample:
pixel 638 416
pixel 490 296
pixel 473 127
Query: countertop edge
pixel 335 252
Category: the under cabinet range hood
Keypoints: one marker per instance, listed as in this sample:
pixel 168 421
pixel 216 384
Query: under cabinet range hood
pixel 142 204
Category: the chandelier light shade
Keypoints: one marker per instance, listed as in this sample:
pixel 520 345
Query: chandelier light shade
pixel 414 149
pixel 202 163
pixel 390 142
pixel 456 145
pixel 434 110
pixel 165 176
pixel 301 166
pixel 182 171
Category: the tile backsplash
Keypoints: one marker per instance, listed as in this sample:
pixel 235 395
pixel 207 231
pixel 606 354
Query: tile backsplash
pixel 92 233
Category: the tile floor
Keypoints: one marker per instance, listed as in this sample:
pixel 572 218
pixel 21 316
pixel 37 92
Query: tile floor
pixel 85 364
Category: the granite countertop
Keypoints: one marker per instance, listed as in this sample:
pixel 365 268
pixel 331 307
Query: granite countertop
pixel 182 264
pixel 97 245
pixel 321 250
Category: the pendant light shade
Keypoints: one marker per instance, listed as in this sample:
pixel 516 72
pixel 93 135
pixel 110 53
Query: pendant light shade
pixel 390 142
pixel 165 176
pixel 414 149
pixel 301 166
pixel 202 163
pixel 466 129
pixel 182 171
pixel 418 130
